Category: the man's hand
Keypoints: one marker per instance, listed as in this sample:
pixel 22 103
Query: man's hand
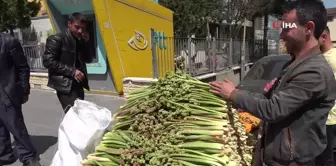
pixel 222 88
pixel 25 99
pixel 269 85
pixel 86 36
pixel 79 76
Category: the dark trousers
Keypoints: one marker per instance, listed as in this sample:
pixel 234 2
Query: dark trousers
pixel 12 121
pixel 327 157
pixel 258 157
pixel 67 99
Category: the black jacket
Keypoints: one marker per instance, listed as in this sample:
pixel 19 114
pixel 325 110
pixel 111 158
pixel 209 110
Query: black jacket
pixel 296 111
pixel 14 71
pixel 59 58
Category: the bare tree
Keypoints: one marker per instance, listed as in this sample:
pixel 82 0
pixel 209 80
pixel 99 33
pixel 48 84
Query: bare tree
pixel 193 16
pixel 236 11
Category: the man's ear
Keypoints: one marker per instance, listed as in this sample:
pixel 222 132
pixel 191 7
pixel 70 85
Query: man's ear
pixel 310 27
pixel 324 36
pixel 69 23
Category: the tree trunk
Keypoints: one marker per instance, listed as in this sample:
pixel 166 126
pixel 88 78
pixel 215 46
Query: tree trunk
pixel 11 32
pixel 208 34
pixel 265 41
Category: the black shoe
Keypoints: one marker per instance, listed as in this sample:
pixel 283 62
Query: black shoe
pixel 9 162
pixel 10 159
pixel 32 163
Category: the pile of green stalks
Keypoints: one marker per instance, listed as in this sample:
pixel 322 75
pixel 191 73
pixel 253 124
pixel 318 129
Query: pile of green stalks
pixel 174 122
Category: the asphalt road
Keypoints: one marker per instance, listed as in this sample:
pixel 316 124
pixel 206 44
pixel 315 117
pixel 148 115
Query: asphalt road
pixel 43 114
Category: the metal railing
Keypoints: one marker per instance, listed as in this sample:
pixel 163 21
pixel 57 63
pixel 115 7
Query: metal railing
pixel 201 56
pixel 195 56
pixel 34 57
pixel 163 55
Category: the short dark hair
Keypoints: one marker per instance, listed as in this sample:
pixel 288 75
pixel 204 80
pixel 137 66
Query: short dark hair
pixel 77 17
pixel 327 29
pixel 310 10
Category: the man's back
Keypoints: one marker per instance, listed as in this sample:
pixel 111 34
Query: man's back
pixel 14 71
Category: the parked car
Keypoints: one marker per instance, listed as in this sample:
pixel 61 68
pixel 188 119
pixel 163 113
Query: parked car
pixel 261 73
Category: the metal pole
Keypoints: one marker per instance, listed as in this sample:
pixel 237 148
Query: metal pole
pixel 230 53
pixel 154 59
pixel 230 20
pixel 189 55
pixel 213 55
pixel 242 58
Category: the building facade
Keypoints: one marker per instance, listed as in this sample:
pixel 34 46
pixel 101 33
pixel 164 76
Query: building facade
pixel 332 23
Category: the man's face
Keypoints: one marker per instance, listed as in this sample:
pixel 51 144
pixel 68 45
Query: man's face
pixel 76 28
pixel 295 37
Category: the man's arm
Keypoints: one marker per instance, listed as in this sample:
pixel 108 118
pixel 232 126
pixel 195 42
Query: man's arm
pixel 268 87
pixel 257 95
pixel 20 63
pixel 51 57
pixel 302 89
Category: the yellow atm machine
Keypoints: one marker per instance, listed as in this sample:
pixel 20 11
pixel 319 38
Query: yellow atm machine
pixel 133 38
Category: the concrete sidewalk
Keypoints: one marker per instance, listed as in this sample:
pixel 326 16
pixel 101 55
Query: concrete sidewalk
pixel 43 114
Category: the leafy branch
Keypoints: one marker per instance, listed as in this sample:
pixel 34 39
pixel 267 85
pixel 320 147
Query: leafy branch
pixel 17 14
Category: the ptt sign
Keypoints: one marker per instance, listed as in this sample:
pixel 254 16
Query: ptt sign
pixel 139 41
pixel 158 38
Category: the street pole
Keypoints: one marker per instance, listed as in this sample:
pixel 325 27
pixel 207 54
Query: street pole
pixel 242 57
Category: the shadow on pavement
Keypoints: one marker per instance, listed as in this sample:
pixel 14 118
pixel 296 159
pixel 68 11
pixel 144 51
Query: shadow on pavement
pixel 42 143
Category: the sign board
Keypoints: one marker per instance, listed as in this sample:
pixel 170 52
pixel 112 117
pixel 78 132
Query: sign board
pixel 140 40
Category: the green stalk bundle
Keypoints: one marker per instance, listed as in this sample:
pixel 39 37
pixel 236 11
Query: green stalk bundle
pixel 174 122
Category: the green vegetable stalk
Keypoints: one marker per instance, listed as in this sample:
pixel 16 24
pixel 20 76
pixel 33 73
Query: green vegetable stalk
pixel 174 122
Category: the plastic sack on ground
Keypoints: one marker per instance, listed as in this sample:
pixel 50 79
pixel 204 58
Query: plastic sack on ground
pixel 80 132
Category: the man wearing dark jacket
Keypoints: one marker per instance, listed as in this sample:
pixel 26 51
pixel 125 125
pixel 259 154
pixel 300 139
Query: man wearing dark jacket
pixel 297 106
pixel 14 91
pixel 65 57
